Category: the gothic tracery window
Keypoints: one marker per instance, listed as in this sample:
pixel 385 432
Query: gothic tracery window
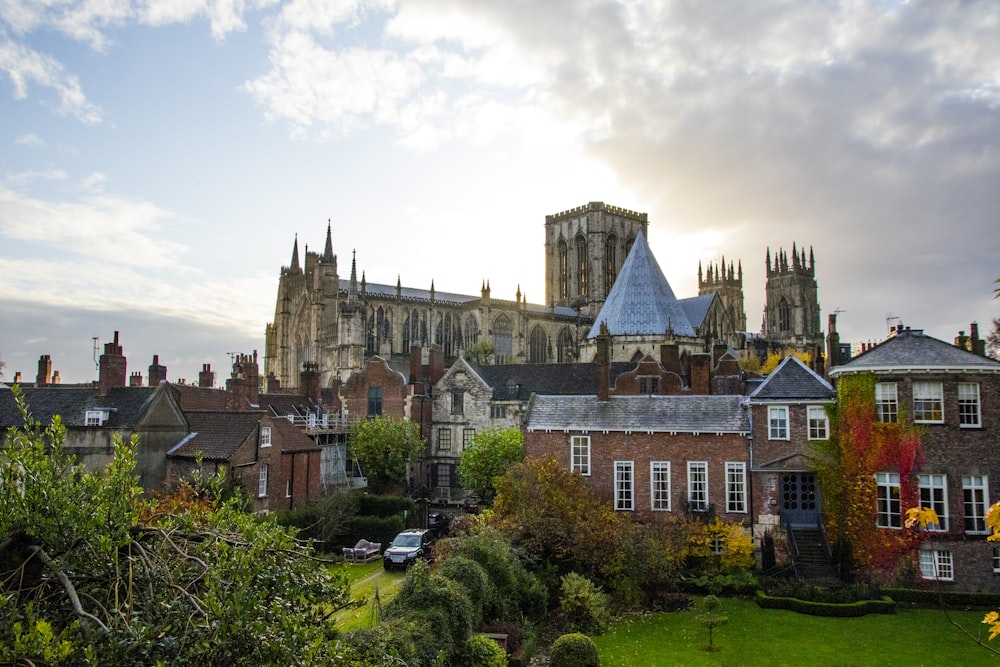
pixel 784 315
pixel 610 261
pixel 565 350
pixel 581 265
pixel 563 270
pixel 503 338
pixel 538 346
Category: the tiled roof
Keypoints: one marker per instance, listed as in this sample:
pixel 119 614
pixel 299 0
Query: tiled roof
pixel 217 435
pixel 519 381
pixel 412 293
pixel 290 437
pixel 282 405
pixel 685 414
pixel 191 397
pixel 641 301
pixel 696 307
pixel 911 350
pixel 71 404
pixel 792 379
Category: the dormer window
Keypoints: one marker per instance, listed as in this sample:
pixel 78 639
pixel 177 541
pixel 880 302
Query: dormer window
pixel 96 417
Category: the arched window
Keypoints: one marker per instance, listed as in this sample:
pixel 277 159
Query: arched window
pixel 376 331
pixel 581 265
pixel 784 316
pixel 503 338
pixel 411 330
pixel 628 245
pixel 538 346
pixel 563 270
pixel 471 330
pixel 610 261
pixel 447 334
pixel 565 350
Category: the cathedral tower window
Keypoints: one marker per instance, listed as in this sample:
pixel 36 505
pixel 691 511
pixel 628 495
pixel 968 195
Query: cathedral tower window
pixel 610 261
pixel 471 330
pixel 565 350
pixel 563 270
pixel 784 315
pixel 503 338
pixel 581 265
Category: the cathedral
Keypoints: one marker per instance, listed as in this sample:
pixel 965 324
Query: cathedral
pixel 598 270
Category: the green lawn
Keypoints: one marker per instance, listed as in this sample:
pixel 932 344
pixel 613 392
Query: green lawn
pixel 755 636
pixel 363 580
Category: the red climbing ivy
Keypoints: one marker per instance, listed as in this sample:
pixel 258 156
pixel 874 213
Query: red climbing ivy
pixel 859 447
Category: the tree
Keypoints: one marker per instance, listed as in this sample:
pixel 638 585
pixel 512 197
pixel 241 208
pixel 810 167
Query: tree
pixel 92 572
pixel 993 339
pixel 385 448
pixel 480 353
pixel 753 364
pixel 711 619
pixel 491 454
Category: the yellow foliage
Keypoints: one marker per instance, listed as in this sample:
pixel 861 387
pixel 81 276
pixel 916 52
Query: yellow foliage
pixel 753 364
pixel 736 546
pixel 992 619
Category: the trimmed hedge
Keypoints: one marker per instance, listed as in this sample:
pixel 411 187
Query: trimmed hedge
pixel 932 598
pixel 370 504
pixel 885 605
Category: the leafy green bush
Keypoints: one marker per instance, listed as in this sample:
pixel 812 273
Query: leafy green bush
pixel 884 605
pixel 932 598
pixel 371 504
pixel 574 650
pixel 382 529
pixel 471 576
pixel 484 652
pixel 442 603
pixel 584 605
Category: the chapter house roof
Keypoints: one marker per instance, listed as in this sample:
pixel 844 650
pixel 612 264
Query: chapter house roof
pixel 912 351
pixel 793 380
pixel 641 301
pixel 659 414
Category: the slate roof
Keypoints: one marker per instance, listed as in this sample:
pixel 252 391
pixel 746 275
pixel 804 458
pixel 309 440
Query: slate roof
pixel 911 350
pixel 451 298
pixel 641 301
pixel 217 435
pixel 660 414
pixel 696 307
pixel 793 380
pixel 282 405
pixel 518 381
pixel 72 402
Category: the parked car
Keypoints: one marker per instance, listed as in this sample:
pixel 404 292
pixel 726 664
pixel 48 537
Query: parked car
pixel 472 504
pixel 407 547
pixel 437 523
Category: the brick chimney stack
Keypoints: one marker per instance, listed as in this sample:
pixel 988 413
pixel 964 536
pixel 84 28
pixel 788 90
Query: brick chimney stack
pixel 309 380
pixel 602 360
pixel 416 369
pixel 701 373
pixel 206 378
pixel 242 386
pixel 135 380
pixel 44 371
pixel 435 363
pixel 157 372
pixel 832 343
pixel 112 367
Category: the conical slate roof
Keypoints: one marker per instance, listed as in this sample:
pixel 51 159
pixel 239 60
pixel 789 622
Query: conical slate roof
pixel 641 301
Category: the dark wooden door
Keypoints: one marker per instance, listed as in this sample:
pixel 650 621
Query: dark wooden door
pixel 800 499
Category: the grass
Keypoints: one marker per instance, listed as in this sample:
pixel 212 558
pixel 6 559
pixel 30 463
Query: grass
pixel 363 579
pixel 772 637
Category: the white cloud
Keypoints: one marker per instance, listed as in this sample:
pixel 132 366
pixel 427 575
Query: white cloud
pixel 224 16
pixel 94 181
pixel 108 229
pixel 24 178
pixel 29 140
pixel 26 66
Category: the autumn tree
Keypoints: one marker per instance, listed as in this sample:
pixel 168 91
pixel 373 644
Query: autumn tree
pixel 385 448
pixel 480 352
pixel 94 573
pixel 490 455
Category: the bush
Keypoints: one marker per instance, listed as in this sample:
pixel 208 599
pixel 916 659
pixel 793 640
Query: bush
pixel 371 504
pixel 471 576
pixel 442 603
pixel 372 528
pixel 584 605
pixel 834 609
pixel 484 652
pixel 574 650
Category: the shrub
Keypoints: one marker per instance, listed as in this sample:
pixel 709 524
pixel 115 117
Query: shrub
pixel 371 504
pixel 373 528
pixel 471 576
pixel 584 605
pixel 484 652
pixel 574 650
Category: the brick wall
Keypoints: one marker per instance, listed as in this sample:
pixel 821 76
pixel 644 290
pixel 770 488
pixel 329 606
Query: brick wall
pixel 641 449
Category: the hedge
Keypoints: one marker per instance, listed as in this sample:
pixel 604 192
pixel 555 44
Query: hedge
pixel 932 598
pixel 885 605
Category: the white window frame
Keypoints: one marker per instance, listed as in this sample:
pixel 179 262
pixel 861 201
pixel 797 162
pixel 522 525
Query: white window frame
pixel 996 560
pixel 444 440
pixel 659 486
pixel 888 497
pixel 934 495
pixel 625 485
pixel 288 488
pixel 817 423
pixel 975 503
pixel 95 417
pixel 265 436
pixel 579 454
pixel 736 487
pixel 262 481
pixel 969 408
pixel 777 422
pixel 887 402
pixel 937 564
pixel 928 403
pixel 697 478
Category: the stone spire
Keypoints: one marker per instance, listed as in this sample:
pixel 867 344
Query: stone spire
pixel 294 265
pixel 328 250
pixel 352 292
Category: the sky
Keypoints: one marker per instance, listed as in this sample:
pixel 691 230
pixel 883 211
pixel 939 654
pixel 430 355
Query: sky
pixel 159 157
